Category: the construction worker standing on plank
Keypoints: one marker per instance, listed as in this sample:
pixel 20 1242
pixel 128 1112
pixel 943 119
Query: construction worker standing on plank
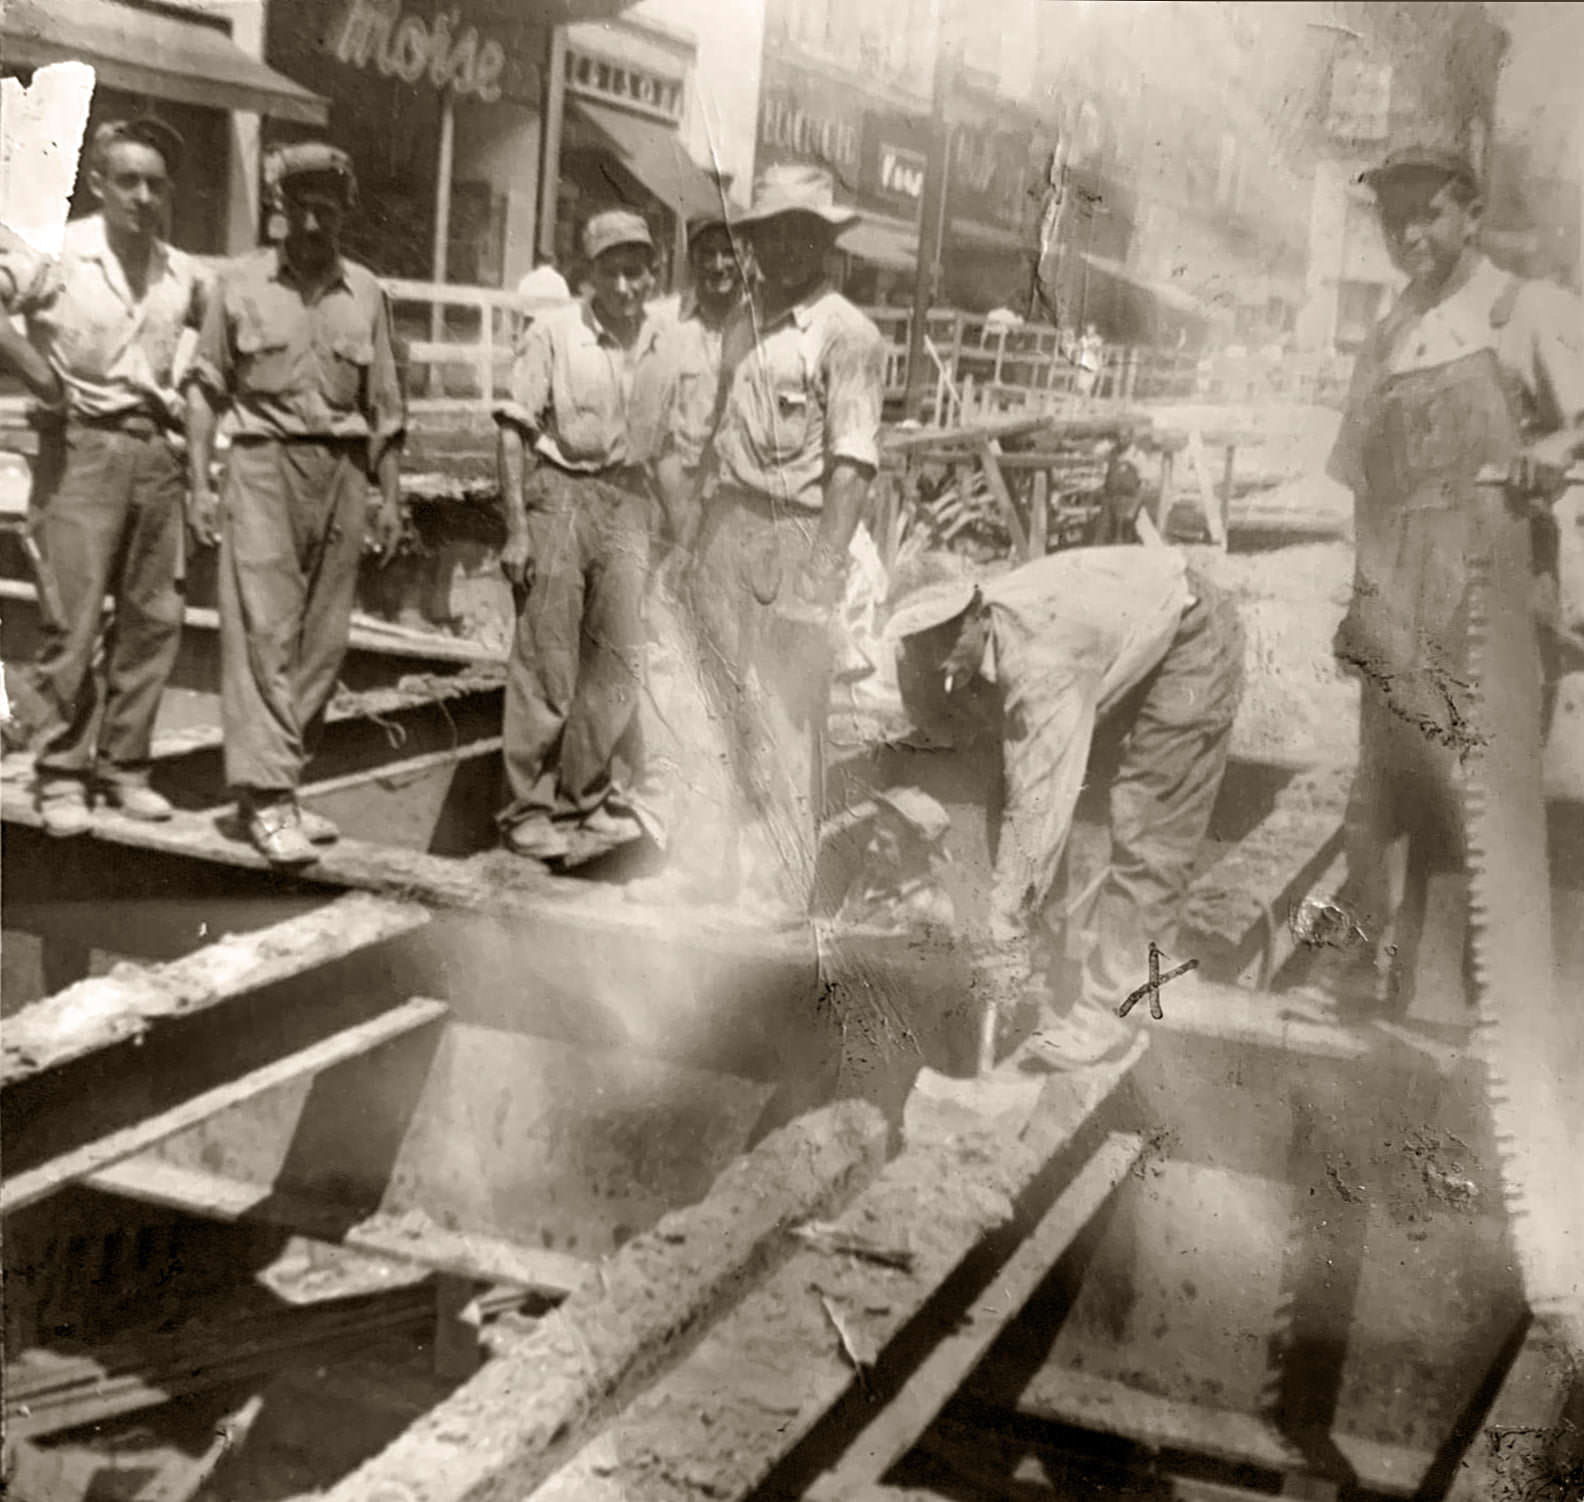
pixel 796 448
pixel 577 552
pixel 1044 653
pixel 1471 367
pixel 103 324
pixel 298 345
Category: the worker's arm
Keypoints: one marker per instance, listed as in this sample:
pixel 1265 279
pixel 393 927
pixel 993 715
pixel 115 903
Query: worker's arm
pixel 207 386
pixel 385 405
pixel 25 283
pixel 1548 323
pixel 517 420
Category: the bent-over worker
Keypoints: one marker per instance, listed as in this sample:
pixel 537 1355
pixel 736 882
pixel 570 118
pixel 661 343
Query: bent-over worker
pixel 103 324
pixel 1471 367
pixel 298 345
pixel 1046 651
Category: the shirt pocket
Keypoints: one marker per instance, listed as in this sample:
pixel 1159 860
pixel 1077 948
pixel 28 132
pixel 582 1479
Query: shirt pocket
pixel 782 417
pixel 350 357
pixel 264 361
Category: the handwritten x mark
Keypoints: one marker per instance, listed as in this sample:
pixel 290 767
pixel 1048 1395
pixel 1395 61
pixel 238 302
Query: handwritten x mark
pixel 1151 987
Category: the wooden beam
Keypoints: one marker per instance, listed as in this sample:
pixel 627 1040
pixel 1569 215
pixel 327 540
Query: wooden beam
pixel 989 459
pixel 125 1004
pixel 1039 514
pixel 70 1167
pixel 804 1339
pixel 468 1254
pixel 504 1430
pixel 1208 505
pixel 897 1427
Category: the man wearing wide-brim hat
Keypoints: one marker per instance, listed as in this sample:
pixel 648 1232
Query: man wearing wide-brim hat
pixel 1471 367
pixel 795 451
pixel 577 553
pixel 298 343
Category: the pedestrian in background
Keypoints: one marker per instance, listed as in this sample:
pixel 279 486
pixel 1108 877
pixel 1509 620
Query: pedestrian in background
pixel 105 516
pixel 298 344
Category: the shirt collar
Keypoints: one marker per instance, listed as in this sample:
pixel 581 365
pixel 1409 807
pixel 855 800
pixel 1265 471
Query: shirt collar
pixel 802 311
pixel 94 245
pixel 284 271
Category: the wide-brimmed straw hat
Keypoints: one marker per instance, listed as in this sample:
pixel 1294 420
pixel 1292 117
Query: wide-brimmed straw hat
pixel 796 188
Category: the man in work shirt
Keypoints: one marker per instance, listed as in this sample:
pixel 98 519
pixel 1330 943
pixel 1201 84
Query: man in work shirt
pixel 298 344
pixel 1046 652
pixel 1471 367
pixel 106 514
pixel 796 448
pixel 577 550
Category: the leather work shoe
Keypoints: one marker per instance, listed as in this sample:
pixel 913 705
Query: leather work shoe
pixel 278 837
pixel 317 829
pixel 607 824
pixel 64 810
pixel 538 839
pixel 137 801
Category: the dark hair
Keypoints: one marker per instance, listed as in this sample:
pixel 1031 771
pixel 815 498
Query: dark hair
pixel 146 131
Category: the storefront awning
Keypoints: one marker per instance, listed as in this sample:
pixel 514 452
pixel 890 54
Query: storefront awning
pixel 1168 297
pixel 142 52
pixel 653 154
pixel 880 244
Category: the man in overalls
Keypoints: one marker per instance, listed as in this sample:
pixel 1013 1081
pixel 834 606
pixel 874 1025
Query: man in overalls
pixel 796 448
pixel 1471 367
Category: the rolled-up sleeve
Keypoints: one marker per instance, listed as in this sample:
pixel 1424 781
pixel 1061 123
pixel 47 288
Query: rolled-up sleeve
pixel 387 403
pixel 211 364
pixel 854 380
pixel 1550 327
pixel 530 381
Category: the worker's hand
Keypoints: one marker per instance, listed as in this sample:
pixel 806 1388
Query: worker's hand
pixel 516 561
pixel 818 586
pixel 1540 470
pixel 387 530
pixel 203 516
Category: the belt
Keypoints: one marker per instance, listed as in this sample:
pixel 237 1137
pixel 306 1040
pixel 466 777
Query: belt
pixel 629 476
pixel 133 424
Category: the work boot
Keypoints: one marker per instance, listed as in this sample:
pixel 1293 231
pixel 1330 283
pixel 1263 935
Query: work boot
pixel 538 839
pixel 317 829
pixel 137 800
pixel 1088 1035
pixel 606 823
pixel 276 833
pixel 63 807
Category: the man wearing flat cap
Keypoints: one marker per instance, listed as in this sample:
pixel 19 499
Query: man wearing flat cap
pixel 795 450
pixel 103 324
pixel 1471 368
pixel 298 345
pixel 1128 637
pixel 577 551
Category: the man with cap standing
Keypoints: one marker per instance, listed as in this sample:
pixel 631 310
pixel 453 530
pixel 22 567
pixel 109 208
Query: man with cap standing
pixel 298 344
pixel 103 324
pixel 577 546
pixel 1044 653
pixel 796 448
pixel 1471 367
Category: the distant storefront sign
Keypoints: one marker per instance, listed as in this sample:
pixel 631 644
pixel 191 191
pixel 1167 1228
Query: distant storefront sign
pixel 895 156
pixel 804 117
pixel 378 34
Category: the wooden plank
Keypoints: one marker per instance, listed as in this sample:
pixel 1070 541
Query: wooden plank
pixel 506 1428
pixel 70 1167
pixel 1205 489
pixel 764 1375
pixel 989 459
pixel 484 1258
pixel 1039 515
pixel 124 1004
pixel 894 1431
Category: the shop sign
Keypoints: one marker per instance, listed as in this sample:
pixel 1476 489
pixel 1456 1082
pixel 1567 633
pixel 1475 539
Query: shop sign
pixel 807 119
pixel 623 83
pixel 894 163
pixel 991 173
pixel 405 46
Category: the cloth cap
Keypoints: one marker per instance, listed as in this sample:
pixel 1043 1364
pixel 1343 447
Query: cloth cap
pixel 1409 159
pixel 702 223
pixel 316 159
pixel 797 188
pixel 918 810
pixel 613 227
pixel 932 606
pixel 146 130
